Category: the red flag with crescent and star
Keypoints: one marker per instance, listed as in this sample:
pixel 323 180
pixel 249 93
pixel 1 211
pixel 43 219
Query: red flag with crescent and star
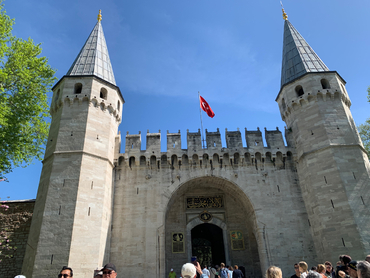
pixel 205 107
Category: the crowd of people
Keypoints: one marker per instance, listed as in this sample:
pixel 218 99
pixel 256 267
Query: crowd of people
pixel 345 268
pixel 217 271
pixel 194 270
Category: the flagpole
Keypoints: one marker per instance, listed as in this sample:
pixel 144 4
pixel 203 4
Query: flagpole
pixel 201 121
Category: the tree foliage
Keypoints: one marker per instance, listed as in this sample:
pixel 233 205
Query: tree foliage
pixel 364 129
pixel 25 78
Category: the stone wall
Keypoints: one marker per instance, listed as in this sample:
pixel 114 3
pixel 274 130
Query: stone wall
pixel 15 224
pixel 259 185
pixel 332 166
pixel 73 207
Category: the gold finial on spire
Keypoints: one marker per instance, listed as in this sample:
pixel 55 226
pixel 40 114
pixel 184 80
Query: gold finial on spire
pixel 99 16
pixel 285 16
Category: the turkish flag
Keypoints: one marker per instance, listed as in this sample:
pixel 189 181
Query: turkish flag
pixel 205 107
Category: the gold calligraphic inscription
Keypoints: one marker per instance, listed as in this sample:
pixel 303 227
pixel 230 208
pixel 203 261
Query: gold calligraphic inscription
pixel 204 202
pixel 237 240
pixel 205 216
pixel 178 243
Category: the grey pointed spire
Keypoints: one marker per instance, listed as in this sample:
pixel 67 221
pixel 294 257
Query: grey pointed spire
pixel 93 58
pixel 298 57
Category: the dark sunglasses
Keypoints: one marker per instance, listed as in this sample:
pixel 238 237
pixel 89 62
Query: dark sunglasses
pixel 63 275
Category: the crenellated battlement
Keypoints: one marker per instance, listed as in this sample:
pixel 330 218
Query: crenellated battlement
pixel 311 88
pixel 319 96
pixel 233 154
pixel 69 101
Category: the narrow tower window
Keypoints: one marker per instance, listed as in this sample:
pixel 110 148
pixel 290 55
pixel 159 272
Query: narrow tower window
pixel 78 88
pixel 103 93
pixel 325 84
pixel 299 90
pixel 118 105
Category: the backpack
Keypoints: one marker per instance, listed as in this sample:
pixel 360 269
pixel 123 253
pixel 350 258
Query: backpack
pixel 223 273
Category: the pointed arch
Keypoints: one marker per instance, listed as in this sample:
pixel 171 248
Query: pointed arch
pixel 177 196
pixel 325 83
pixel 142 160
pixel 299 91
pixel 103 93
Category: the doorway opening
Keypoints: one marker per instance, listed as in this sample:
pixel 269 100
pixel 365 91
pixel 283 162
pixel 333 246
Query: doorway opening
pixel 208 244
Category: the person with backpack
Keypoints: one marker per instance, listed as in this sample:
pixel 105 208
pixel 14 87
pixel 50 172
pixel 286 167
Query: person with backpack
pixel 223 273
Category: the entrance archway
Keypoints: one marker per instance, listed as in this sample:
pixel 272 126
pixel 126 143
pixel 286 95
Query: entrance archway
pixel 208 244
pixel 199 203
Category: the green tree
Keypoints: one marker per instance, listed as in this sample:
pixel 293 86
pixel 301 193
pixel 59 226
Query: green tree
pixel 364 129
pixel 25 78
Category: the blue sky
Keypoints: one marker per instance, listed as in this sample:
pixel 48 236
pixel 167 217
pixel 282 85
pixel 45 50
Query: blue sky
pixel 163 52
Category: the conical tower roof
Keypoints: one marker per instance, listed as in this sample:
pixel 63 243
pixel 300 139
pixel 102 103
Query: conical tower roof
pixel 298 57
pixel 93 58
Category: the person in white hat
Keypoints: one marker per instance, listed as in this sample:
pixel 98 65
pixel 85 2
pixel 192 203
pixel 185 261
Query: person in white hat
pixel 188 270
pixel 172 274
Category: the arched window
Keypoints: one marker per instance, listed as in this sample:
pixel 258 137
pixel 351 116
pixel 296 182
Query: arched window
pixel 120 160
pixel 174 161
pixel 299 90
pixel 236 158
pixel 142 160
pixel 195 159
pixel 226 159
pixel 78 88
pixel 131 161
pixel 258 157
pixel 205 158
pixel 325 84
pixel 153 160
pixel 216 159
pixel 118 105
pixel 103 93
pixel 164 160
pixel 185 160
